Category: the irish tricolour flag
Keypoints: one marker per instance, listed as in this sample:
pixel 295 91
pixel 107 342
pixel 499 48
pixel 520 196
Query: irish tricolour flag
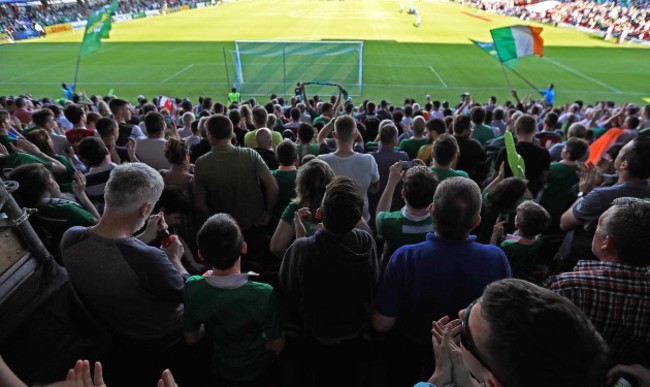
pixel 517 41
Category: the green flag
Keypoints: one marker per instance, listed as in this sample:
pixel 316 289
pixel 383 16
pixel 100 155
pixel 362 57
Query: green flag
pixel 490 49
pixel 98 27
pixel 515 161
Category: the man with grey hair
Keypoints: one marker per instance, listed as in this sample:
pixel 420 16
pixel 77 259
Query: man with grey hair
pixel 614 292
pixel 133 289
pixel 435 278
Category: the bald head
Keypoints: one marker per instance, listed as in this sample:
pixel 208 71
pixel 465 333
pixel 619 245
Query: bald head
pixel 263 138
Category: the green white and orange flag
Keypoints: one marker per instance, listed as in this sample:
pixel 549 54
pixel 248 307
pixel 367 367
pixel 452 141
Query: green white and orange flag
pixel 517 41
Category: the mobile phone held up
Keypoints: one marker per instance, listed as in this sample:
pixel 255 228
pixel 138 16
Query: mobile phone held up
pixel 406 165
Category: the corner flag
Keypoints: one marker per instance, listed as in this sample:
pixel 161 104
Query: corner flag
pixel 98 27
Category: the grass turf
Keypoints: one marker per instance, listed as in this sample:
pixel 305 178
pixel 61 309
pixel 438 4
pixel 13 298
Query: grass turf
pixel 182 54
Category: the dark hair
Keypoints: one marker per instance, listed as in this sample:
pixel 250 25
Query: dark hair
pixel 445 149
pixel 41 116
pixel 73 113
pixel 478 115
pixel 234 116
pixel 260 116
pixel 305 133
pixel 105 126
pixel 92 117
pixel 295 114
pixel 172 201
pixel 33 181
pixel 286 152
pixel 461 124
pixel 92 150
pixel 456 206
pixel 149 107
pixel 154 122
pixel 576 147
pixel 388 134
pixel 219 126
pixel 345 128
pixel 116 104
pixel 342 205
pixel 220 241
pixel 419 185
pixel 532 218
pixel 526 124
pixel 507 193
pixel 175 150
pixel 551 120
pixel 436 125
pixel 628 224
pixel 538 338
pixel 637 156
pixel 498 115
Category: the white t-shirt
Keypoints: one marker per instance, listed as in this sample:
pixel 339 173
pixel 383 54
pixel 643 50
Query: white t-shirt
pixel 184 132
pixel 361 167
pixel 60 143
pixel 151 151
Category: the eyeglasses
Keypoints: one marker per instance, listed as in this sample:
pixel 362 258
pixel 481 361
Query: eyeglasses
pixel 466 337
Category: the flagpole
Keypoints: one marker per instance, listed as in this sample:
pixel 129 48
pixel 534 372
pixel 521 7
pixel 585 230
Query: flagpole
pixel 505 73
pixel 76 72
pixel 525 80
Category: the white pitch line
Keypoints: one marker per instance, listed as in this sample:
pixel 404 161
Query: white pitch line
pixel 438 75
pixel 578 73
pixel 189 66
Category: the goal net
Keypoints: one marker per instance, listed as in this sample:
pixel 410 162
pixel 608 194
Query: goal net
pixel 262 68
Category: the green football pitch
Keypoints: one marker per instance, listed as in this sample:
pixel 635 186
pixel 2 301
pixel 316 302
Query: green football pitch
pixel 182 54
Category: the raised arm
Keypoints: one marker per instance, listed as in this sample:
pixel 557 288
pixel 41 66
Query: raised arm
pixel 327 129
pixel 394 176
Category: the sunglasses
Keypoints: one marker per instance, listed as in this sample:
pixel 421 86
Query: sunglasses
pixel 466 337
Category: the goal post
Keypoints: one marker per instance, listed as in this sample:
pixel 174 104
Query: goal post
pixel 263 68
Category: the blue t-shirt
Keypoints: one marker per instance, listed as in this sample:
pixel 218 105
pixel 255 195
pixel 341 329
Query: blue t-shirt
pixel 436 278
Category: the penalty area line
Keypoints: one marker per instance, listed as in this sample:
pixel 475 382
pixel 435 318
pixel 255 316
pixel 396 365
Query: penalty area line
pixel 189 66
pixel 439 78
pixel 578 73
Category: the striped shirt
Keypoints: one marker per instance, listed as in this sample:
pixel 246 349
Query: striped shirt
pixel 616 298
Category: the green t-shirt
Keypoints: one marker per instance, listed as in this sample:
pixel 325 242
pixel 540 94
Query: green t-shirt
pixel 229 177
pixel 71 212
pixel 64 179
pixel 249 139
pixel 287 183
pixel 483 133
pixel 309 149
pixel 400 228
pixel 322 119
pixel 240 316
pixel 522 256
pixel 411 146
pixel 17 159
pixel 447 173
pixel 559 193
pixel 310 223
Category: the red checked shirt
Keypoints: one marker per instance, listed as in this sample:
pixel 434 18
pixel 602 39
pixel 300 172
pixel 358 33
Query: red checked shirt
pixel 616 298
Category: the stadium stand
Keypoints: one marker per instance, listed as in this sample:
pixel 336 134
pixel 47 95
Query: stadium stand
pixel 170 297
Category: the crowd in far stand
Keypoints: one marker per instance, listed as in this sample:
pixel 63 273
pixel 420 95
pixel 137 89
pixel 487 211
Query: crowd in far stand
pixel 321 242
pixel 629 19
pixel 14 17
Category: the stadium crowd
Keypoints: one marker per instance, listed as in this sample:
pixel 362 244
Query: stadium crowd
pixel 15 17
pixel 620 19
pixel 321 242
